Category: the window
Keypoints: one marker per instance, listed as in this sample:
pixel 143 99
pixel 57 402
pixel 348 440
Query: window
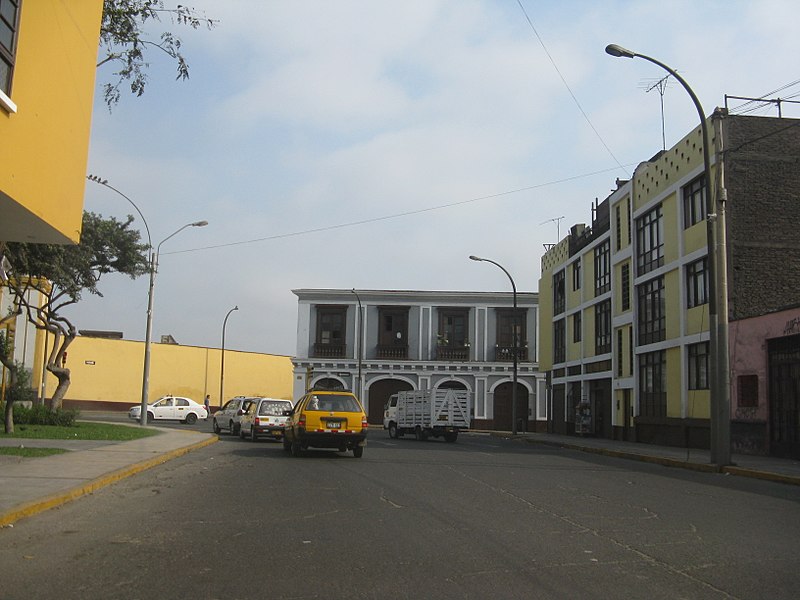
pixel 649 241
pixel 602 268
pixel 393 332
pixel 618 215
pixel 330 340
pixel 697 283
pixel 748 391
pixel 694 202
pixel 652 309
pixel 453 327
pixel 652 384
pixel 9 23
pixel 504 347
pixel 559 341
pixel 576 327
pixel 559 293
pixel 698 366
pixel 602 327
pixel 576 275
pixel 619 353
pixel 626 286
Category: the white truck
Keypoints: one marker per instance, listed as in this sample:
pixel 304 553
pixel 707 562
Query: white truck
pixel 427 413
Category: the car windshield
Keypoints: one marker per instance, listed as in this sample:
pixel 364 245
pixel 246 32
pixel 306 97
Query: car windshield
pixel 274 408
pixel 334 403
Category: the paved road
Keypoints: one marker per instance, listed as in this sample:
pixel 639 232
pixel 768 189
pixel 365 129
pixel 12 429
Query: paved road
pixel 482 518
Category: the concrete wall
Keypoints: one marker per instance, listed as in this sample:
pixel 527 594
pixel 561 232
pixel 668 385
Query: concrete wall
pixel 107 374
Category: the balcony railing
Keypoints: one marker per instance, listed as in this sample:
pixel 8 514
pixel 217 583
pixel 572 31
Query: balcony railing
pixel 330 350
pixel 452 353
pixel 506 353
pixel 393 351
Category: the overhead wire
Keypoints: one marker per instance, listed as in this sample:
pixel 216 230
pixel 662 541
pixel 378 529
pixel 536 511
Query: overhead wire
pixel 407 213
pixel 569 89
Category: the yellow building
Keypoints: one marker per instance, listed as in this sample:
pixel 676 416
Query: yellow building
pixel 48 53
pixel 624 308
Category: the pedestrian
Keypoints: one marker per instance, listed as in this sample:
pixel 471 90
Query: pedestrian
pixel 208 405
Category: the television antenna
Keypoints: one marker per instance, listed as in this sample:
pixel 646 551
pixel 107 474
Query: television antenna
pixel 557 221
pixel 661 85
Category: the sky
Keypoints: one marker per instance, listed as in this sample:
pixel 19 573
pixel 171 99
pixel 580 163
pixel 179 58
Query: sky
pixel 370 144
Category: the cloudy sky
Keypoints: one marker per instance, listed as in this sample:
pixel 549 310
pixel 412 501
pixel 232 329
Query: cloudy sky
pixel 375 145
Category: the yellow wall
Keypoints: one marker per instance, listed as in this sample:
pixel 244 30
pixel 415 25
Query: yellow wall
pixel 45 143
pixel 111 371
pixel 695 237
pixel 697 319
pixel 669 216
pixel 673 308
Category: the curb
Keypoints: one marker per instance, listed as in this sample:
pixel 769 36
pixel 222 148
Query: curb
pixel 675 463
pixel 33 507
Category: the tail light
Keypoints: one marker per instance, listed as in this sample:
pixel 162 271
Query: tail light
pixel 257 422
pixel 301 421
pixel 364 423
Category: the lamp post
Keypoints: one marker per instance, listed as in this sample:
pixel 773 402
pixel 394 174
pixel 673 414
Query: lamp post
pixel 358 343
pixel 222 354
pixel 149 328
pixel 514 341
pixel 718 284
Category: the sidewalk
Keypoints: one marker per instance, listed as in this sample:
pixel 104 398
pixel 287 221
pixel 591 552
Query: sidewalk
pixel 32 485
pixel 770 468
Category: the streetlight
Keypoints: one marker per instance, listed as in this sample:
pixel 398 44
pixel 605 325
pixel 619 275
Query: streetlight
pixel 514 342
pixel 718 284
pixel 358 343
pixel 222 356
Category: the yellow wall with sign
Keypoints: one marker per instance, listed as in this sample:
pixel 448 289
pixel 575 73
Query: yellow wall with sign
pixel 107 374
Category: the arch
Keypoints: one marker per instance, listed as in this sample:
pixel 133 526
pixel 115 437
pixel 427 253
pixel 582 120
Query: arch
pixel 453 383
pixel 502 394
pixel 379 391
pixel 328 383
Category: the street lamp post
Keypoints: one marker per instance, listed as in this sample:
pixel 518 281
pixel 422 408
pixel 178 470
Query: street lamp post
pixel 149 328
pixel 358 343
pixel 718 284
pixel 222 354
pixel 514 342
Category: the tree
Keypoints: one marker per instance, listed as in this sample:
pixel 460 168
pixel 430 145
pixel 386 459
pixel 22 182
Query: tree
pixel 124 42
pixel 58 275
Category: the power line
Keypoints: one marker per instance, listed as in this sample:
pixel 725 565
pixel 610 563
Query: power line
pixel 396 215
pixel 569 89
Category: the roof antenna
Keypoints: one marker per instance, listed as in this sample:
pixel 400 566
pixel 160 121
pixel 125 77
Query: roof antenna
pixel 661 86
pixel 558 229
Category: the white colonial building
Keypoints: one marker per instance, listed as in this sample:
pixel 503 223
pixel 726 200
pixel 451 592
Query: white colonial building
pixel 379 342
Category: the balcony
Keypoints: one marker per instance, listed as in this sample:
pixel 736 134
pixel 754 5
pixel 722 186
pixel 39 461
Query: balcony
pixel 392 351
pixel 506 353
pixel 451 353
pixel 330 350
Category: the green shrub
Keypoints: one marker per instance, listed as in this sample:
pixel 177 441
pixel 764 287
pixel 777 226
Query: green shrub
pixel 41 415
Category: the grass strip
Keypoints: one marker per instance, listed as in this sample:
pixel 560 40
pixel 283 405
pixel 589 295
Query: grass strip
pixel 30 452
pixel 81 431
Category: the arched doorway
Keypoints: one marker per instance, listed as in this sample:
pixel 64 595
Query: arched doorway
pixel 379 393
pixel 502 407
pixel 328 383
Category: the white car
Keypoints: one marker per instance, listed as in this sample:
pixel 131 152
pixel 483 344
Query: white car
pixel 230 416
pixel 171 408
pixel 265 417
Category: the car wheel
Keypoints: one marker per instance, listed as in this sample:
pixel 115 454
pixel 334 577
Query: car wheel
pixel 393 430
pixel 241 432
pixel 253 435
pixel 421 435
pixel 451 436
pixel 216 427
pixel 150 417
pixel 358 451
pixel 296 448
pixel 287 445
pixel 191 419
pixel 231 428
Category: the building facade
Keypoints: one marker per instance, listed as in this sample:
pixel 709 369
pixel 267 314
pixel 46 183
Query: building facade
pixel 625 302
pixel 379 342
pixel 48 57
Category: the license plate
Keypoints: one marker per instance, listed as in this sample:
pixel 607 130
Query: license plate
pixel 334 424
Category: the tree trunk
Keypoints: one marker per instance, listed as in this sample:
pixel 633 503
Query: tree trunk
pixel 62 374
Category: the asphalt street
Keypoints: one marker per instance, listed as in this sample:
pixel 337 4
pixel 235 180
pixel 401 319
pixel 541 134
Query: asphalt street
pixel 482 518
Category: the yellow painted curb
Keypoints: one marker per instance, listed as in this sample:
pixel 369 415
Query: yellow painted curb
pixel 36 506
